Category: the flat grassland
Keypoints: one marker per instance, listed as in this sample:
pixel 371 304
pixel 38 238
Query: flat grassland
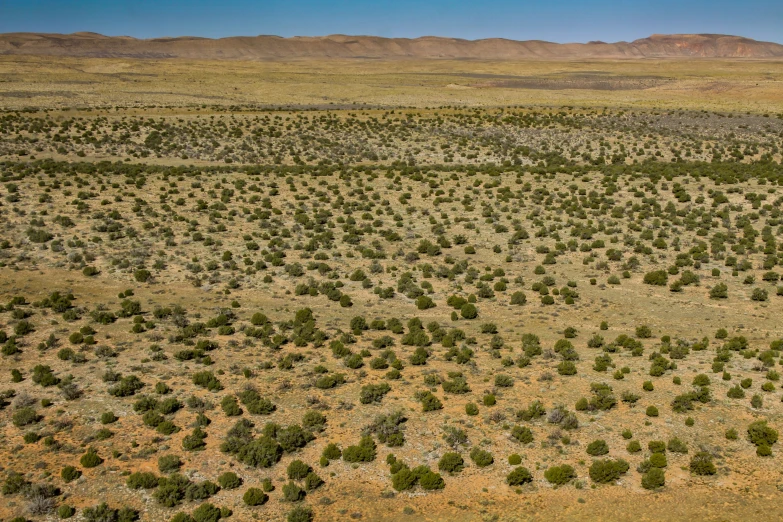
pixel 728 85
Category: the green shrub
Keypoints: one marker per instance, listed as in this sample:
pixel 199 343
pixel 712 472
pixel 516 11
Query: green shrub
pixel 207 379
pixel 90 459
pixel 70 473
pixel 206 512
pixel 255 497
pixel 293 493
pixel 522 434
pixel 605 471
pixel 25 416
pixel 404 479
pixel 763 451
pixel 566 368
pixel 653 479
pixel 504 381
pixel 430 402
pixel 701 464
pixel 365 451
pixel 658 460
pixel 103 512
pixel 65 511
pixel 701 380
pixel 332 452
pixel 424 302
pixel 597 448
pixel 195 441
pixel 373 392
pixel 314 420
pixel 643 332
pixel 298 470
pixel 468 311
pixel 230 406
pixel 300 514
pixel 431 481
pixel 169 463
pixel 312 481
pixel 481 457
pixel 762 435
pixel 451 463
pixel 519 476
pixel 518 298
pixel 126 387
pixel 229 480
pixel 142 480
pixel 560 475
pixel 736 392
pixel 656 278
pixel 719 291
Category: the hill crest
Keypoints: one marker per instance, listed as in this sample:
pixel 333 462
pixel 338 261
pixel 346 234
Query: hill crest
pixel 269 47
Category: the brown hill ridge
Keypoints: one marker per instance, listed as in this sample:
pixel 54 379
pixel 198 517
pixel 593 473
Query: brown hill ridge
pixel 341 46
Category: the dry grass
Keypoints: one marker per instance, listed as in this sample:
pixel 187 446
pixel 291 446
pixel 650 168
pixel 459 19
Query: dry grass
pixel 727 85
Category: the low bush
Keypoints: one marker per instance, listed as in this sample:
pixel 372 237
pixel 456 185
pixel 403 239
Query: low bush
pixel 519 476
pixel 255 497
pixel 559 475
pixel 481 457
pixel 451 463
pixel 605 471
pixel 653 479
pixel 701 464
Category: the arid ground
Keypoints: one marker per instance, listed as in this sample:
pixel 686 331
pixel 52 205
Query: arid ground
pixel 391 289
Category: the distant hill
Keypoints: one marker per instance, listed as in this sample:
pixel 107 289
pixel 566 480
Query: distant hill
pixel 341 46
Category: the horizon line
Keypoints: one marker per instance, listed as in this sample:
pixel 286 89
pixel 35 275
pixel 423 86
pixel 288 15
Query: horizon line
pixel 596 42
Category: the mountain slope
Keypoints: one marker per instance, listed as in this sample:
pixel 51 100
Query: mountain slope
pixel 341 46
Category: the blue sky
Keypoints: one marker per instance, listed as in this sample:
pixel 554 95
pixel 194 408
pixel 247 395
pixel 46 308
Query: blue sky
pixel 553 20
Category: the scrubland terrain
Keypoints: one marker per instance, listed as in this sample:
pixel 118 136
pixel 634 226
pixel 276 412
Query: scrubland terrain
pixel 565 305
